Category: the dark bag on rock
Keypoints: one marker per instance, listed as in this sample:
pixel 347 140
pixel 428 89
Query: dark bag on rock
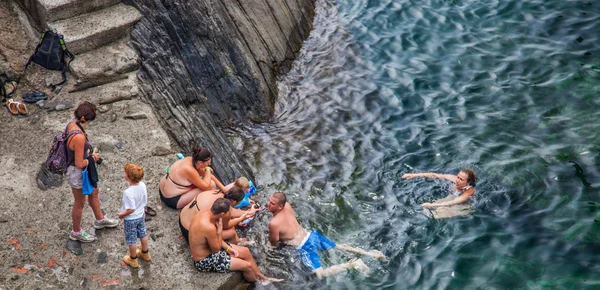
pixel 50 53
pixel 57 158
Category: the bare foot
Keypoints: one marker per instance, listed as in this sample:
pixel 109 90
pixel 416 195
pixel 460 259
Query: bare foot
pixel 264 280
pixel 377 255
pixel 360 266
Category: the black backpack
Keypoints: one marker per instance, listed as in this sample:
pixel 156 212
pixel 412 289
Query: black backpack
pixel 50 53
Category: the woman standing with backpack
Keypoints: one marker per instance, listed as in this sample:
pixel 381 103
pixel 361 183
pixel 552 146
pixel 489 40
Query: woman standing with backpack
pixel 79 156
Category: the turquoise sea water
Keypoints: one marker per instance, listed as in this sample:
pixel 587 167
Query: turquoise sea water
pixel 509 88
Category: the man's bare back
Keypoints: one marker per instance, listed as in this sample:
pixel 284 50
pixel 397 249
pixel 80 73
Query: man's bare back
pixel 188 211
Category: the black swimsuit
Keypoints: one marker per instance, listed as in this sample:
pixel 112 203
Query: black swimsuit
pixel 184 232
pixel 171 179
pixel 169 201
pixel 172 201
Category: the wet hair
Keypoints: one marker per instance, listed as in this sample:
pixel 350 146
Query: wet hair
pixel 221 205
pixel 134 172
pixel 242 183
pixel 471 178
pixel 86 111
pixel 201 154
pixel 235 194
pixel 281 198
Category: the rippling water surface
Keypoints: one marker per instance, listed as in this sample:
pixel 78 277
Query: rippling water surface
pixel 509 88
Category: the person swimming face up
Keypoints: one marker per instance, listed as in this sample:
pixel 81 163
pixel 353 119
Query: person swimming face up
pixel 464 178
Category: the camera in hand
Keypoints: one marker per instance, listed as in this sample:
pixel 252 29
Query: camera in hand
pixel 99 161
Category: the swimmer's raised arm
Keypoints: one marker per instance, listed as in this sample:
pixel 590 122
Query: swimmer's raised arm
pixel 450 177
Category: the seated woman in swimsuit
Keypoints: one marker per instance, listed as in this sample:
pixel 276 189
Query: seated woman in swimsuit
pixel 187 177
pixel 204 200
pixel 464 186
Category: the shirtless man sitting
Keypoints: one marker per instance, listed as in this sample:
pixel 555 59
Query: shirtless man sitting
pixel 284 228
pixel 211 254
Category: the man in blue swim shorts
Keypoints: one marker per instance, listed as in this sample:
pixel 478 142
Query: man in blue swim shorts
pixel 284 228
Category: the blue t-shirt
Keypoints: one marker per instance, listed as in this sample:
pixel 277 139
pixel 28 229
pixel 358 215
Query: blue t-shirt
pixel 245 201
pixel 135 197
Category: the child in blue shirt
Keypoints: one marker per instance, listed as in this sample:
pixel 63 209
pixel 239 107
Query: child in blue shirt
pixel 248 188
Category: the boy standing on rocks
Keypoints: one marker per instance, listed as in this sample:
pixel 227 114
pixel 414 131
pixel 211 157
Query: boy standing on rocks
pixel 132 211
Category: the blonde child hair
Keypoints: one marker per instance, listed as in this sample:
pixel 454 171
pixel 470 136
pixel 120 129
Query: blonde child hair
pixel 134 172
pixel 242 183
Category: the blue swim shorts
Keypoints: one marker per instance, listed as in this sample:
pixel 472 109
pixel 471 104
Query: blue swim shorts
pixel 308 249
pixel 134 229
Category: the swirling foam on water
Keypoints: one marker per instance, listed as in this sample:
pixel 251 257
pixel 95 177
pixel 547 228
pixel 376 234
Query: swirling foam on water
pixel 382 88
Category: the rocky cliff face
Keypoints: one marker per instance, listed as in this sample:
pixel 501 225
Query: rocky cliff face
pixel 209 64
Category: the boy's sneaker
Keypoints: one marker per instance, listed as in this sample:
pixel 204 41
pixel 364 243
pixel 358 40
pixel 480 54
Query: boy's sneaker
pixel 131 262
pixel 82 237
pixel 145 256
pixel 106 223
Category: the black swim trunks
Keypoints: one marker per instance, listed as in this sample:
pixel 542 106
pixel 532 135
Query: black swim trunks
pixel 216 262
pixel 169 201
pixel 184 232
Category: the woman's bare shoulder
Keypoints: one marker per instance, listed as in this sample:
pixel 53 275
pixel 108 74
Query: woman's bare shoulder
pixel 182 166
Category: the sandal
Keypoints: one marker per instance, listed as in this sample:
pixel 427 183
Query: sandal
pixel 22 108
pixel 10 87
pixel 12 106
pixel 34 97
pixel 149 211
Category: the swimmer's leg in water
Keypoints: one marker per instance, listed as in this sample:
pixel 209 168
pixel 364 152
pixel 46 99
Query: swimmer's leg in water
pixel 357 264
pixel 373 253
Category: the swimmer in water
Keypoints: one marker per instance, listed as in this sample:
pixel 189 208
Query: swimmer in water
pixel 284 228
pixel 464 187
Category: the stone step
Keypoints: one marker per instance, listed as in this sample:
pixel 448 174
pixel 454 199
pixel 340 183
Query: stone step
pixel 105 64
pixel 53 10
pixel 124 88
pixel 92 30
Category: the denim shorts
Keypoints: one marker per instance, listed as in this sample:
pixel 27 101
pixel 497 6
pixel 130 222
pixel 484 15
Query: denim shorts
pixel 74 177
pixel 134 229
